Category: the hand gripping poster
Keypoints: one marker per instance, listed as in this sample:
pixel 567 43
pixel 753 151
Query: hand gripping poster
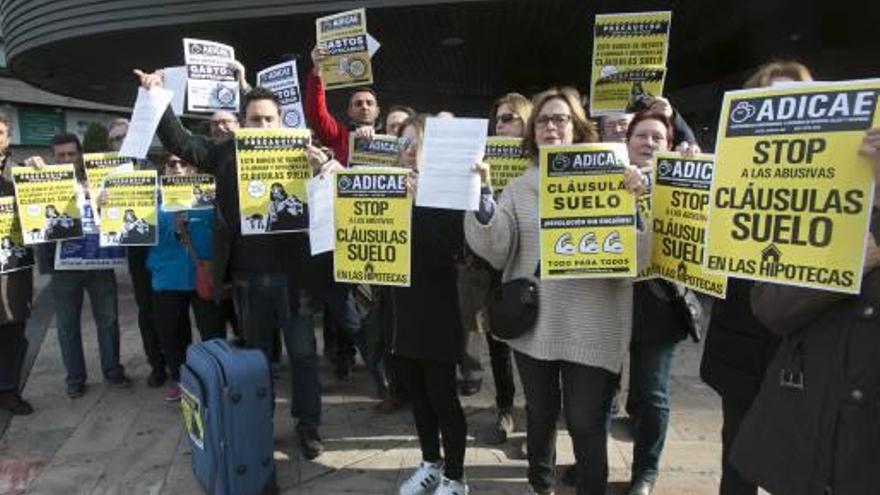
pixel 187 192
pixel 629 61
pixel 272 175
pixel 211 83
pixel 380 151
pixel 14 255
pixel 680 213
pixel 128 215
pixel 506 159
pixel 283 80
pixel 48 205
pixel 344 35
pixel 587 216
pixel 372 214
pixel 791 197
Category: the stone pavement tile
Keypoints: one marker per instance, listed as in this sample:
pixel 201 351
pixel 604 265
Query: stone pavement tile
pixel 21 442
pixel 105 428
pixel 179 479
pixel 17 473
pixel 75 474
pixel 704 426
pixel 686 484
pixel 703 458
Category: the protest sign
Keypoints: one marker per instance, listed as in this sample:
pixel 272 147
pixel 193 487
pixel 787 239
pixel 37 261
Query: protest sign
pixel 86 253
pixel 680 213
pixel 129 216
pixel 100 165
pixel 643 206
pixel 587 216
pixel 380 151
pixel 506 159
pixel 272 174
pixel 629 61
pixel 344 36
pixel 14 255
pixel 187 192
pixel 791 197
pixel 47 201
pixel 282 79
pixel 211 83
pixel 372 213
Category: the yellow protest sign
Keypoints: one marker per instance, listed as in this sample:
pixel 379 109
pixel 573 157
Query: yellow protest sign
pixel 99 165
pixel 47 203
pixel 681 204
pixel 644 207
pixel 381 151
pixel 372 214
pixel 188 192
pixel 128 215
pixel 272 175
pixel 344 36
pixel 791 198
pixel 587 216
pixel 13 253
pixel 629 60
pixel 506 160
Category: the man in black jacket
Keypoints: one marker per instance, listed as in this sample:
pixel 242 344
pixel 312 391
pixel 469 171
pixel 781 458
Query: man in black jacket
pixel 16 291
pixel 268 271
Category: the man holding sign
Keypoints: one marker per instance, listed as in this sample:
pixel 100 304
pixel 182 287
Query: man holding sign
pixel 266 284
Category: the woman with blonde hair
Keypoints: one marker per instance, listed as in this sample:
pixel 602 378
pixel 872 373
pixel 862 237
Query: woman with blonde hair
pixel 573 354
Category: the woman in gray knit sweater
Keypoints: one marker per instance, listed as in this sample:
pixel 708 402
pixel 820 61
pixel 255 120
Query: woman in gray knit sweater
pixel 573 355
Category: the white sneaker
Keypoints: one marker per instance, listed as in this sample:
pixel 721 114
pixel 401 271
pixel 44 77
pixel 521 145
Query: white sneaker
pixel 451 487
pixel 423 480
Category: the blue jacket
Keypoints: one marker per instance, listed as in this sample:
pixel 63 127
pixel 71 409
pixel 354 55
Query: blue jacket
pixel 168 261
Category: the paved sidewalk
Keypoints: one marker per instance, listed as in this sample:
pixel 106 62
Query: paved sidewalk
pixel 131 442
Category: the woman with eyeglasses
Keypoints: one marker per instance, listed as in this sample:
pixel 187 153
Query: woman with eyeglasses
pixel 507 118
pixel 184 237
pixel 572 357
pixel 426 336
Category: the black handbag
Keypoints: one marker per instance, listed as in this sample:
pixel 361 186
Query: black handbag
pixel 513 307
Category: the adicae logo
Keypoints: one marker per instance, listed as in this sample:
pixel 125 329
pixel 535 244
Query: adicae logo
pixel 345 183
pixel 291 118
pixel 559 162
pixel 742 111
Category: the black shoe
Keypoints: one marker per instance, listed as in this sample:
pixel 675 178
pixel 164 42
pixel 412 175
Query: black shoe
pixel 12 402
pixel 157 378
pixel 502 428
pixel 310 444
pixel 468 388
pixel 76 390
pixel 641 486
pixel 120 381
pixel 570 476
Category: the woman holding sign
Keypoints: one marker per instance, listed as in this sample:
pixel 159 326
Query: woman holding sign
pixel 426 337
pixel 573 354
pixel 658 326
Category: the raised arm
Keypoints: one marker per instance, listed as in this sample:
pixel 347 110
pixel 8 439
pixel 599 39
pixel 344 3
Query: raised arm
pixel 319 118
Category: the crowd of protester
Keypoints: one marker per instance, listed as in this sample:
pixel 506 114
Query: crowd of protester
pixel 417 340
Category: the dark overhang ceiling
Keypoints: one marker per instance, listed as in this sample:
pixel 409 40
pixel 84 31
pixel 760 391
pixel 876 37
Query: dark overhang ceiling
pixel 87 48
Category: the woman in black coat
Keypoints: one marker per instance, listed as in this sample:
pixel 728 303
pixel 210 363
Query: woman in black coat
pixel 426 337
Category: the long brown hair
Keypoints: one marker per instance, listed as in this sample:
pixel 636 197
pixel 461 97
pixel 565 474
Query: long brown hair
pixel 584 129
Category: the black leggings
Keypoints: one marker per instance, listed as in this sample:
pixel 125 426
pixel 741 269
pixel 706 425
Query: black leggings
pixel 432 390
pixel 171 317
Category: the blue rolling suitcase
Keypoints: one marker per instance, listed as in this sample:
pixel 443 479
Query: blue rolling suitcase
pixel 227 405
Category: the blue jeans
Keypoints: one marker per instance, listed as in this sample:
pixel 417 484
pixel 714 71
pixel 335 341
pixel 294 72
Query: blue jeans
pixel 650 365
pixel 265 302
pixel 585 392
pixel 67 294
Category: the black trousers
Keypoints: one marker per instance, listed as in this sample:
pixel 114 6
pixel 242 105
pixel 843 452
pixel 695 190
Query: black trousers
pixel 436 409
pixel 585 394
pixel 142 282
pixel 171 313
pixel 13 348
pixel 501 356
pixel 732 483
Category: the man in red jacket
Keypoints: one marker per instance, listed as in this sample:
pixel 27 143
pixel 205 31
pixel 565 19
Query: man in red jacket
pixel 363 110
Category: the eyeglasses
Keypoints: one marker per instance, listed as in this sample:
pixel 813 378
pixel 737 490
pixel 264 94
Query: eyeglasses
pixel 176 163
pixel 506 118
pixel 558 119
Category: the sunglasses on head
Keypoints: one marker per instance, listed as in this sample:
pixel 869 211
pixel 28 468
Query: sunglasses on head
pixel 506 118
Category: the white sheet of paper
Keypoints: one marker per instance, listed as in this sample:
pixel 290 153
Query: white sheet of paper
pixel 175 81
pixel 449 151
pixel 148 109
pixel 321 230
pixel 373 45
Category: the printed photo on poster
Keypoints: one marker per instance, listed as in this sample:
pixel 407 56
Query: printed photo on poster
pixel 507 161
pixel 187 192
pixel 129 216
